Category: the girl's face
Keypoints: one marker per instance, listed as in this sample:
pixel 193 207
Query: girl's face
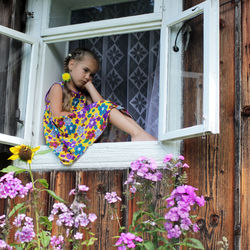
pixel 82 71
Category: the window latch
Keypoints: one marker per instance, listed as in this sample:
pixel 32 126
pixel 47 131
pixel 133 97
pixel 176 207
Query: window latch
pixel 18 113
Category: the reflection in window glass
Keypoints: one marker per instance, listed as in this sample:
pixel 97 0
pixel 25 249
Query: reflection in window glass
pixel 190 3
pixel 81 11
pixel 116 10
pixel 15 58
pixel 186 74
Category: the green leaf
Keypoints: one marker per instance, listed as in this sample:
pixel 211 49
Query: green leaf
pixel 43 220
pixel 91 241
pixel 43 152
pixel 55 196
pixel 149 245
pixel 15 208
pixel 136 216
pixel 45 238
pixel 43 182
pixel 193 244
pixel 15 169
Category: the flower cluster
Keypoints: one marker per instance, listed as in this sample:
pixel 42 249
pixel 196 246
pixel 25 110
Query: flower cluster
pixel 112 197
pixel 26 228
pixel 143 168
pixel 70 217
pixel 174 165
pixel 81 188
pixel 57 242
pixel 178 217
pixel 4 245
pixel 127 240
pixel 12 187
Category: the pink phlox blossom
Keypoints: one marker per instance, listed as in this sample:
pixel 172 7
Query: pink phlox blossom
pixel 2 220
pixel 181 157
pixel 174 232
pixel 92 217
pixel 143 168
pixel 168 158
pixel 26 234
pixel 112 197
pixel 133 189
pixel 78 236
pixel 82 220
pixel 12 187
pixel 128 240
pixel 59 207
pixel 82 188
pixel 195 227
pixel 180 202
pixel 66 219
pixel 4 245
pixel 57 242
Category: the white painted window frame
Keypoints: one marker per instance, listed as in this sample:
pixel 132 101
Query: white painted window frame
pixel 210 124
pixel 26 139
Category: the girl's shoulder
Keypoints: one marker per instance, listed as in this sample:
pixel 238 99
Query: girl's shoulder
pixel 55 87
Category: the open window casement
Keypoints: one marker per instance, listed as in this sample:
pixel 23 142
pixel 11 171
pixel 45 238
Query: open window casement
pixel 189 80
pixel 19 53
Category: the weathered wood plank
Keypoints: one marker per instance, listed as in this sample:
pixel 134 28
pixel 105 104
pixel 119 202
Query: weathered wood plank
pixel 212 158
pixel 245 126
pixel 100 182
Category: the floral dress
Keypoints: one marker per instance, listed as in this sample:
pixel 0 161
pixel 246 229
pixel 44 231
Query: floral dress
pixel 69 136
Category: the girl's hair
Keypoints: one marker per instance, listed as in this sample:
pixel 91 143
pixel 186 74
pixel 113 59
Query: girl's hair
pixel 78 55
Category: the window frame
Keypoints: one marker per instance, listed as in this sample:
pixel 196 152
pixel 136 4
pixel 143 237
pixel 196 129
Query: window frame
pixel 22 37
pixel 210 10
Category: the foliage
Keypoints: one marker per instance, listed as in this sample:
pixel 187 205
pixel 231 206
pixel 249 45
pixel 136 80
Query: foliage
pixel 152 226
pixel 37 233
pixel 155 227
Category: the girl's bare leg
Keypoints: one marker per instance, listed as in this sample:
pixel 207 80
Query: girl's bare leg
pixel 129 126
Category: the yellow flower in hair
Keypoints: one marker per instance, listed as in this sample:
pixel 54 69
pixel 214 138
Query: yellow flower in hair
pixel 66 77
pixel 25 153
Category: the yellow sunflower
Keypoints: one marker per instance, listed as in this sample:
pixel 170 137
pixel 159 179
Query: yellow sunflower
pixel 66 77
pixel 25 153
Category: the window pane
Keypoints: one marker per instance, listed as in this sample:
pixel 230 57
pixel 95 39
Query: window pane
pixel 190 3
pixel 14 65
pixel 82 11
pixel 185 83
pixel 12 14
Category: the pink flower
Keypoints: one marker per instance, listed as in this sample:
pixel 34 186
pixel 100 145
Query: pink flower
pixel 78 236
pixel 168 158
pixel 112 197
pixel 92 217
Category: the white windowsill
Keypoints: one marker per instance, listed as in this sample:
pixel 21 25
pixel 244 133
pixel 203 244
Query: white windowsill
pixel 100 156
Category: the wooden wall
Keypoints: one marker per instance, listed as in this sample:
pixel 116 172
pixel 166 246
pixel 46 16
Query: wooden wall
pixel 245 128
pixel 212 158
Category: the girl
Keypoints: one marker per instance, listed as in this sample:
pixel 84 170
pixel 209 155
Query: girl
pixel 76 114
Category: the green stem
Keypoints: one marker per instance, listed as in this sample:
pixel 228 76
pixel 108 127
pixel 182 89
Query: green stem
pixel 36 210
pixel 117 218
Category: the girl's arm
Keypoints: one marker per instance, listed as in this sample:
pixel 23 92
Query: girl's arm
pixel 55 97
pixel 94 94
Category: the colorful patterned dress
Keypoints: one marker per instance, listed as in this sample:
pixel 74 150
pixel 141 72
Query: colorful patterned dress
pixel 69 136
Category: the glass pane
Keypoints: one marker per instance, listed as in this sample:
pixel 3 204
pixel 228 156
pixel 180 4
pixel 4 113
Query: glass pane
pixel 190 3
pixel 185 82
pixel 14 65
pixel 82 11
pixel 12 14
